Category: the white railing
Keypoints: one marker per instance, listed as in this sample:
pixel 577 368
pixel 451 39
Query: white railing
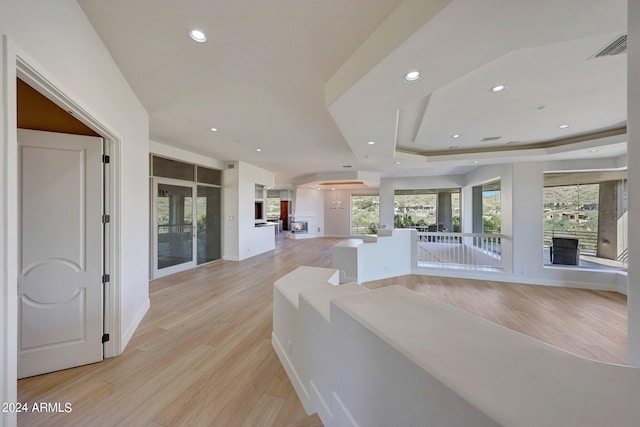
pixel 460 249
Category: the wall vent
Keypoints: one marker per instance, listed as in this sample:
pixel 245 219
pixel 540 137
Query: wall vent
pixel 231 166
pixel 616 47
pixel 490 138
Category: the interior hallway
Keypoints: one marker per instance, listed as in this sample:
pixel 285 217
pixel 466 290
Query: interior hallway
pixel 202 355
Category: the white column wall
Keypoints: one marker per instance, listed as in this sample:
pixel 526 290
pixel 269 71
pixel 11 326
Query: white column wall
pixel 309 206
pixel 633 152
pixel 527 237
pixel 251 240
pixel 230 179
pixel 336 220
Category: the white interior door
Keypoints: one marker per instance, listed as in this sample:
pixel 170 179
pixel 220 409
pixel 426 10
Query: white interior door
pixel 60 289
pixel 174 221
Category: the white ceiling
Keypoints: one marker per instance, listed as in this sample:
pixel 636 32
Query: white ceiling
pixel 310 83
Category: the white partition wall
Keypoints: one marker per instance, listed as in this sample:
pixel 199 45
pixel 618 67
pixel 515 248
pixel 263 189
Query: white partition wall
pixel 392 357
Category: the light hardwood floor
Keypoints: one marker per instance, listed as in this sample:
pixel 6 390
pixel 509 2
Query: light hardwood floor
pixel 202 355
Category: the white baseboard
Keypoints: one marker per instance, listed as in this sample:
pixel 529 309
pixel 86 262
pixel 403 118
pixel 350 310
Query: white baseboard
pixel 297 383
pixel 321 406
pixel 134 325
pixel 342 415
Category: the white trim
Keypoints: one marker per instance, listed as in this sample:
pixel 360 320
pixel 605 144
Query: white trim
pixel 295 379
pixel 346 415
pixel 126 336
pixel 8 231
pixel 323 406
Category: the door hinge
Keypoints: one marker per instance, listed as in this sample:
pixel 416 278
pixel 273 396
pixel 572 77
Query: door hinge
pixel 106 219
pixel 106 278
pixel 106 158
pixel 105 338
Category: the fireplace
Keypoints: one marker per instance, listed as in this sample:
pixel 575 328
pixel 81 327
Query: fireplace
pixel 299 227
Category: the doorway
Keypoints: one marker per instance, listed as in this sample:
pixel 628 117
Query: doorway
pixel 71 118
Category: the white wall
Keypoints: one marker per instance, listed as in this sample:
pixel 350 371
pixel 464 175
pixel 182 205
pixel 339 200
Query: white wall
pixel 633 150
pixel 57 40
pixel 337 222
pixel 172 152
pixel 309 206
pixel 241 238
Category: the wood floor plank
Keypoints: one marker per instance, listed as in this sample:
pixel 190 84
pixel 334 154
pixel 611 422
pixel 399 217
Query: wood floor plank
pixel 291 410
pixel 202 355
pixel 280 386
pixel 264 412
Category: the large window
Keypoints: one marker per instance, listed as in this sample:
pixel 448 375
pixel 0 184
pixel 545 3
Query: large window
pixel 365 214
pixel 491 212
pixel 273 207
pixel 585 219
pixel 430 210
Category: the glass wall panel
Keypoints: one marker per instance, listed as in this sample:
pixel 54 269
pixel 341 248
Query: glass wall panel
pixel 175 225
pixel 365 214
pixel 428 209
pixel 167 168
pixel 585 219
pixel 491 207
pixel 209 176
pixel 209 223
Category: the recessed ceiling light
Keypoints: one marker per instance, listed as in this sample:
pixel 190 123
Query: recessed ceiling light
pixel 455 135
pixel 593 150
pixel 371 142
pixel 564 126
pixel 214 129
pixel 258 149
pixel 198 36
pixel 397 163
pixel 412 76
pixel 475 162
pixel 498 88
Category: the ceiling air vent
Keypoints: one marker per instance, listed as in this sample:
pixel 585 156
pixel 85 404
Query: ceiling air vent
pixel 490 138
pixel 616 47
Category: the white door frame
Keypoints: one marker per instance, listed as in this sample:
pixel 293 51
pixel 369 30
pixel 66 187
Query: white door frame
pixel 112 143
pixel 17 63
pixel 154 230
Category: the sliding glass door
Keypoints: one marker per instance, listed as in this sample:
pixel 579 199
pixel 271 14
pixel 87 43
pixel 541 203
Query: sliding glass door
pixel 174 221
pixel 208 223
